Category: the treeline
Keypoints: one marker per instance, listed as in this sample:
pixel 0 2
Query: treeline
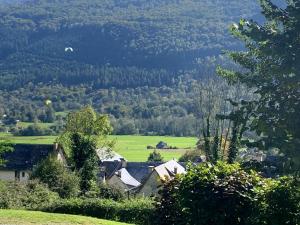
pixel 69 74
pixel 177 110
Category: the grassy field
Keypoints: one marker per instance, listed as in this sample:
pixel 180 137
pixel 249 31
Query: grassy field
pixel 18 217
pixel 133 148
pixel 42 125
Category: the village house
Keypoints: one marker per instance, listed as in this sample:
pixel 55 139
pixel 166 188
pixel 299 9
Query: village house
pixel 138 178
pixel 159 174
pixel 22 160
pixel 122 180
pixel 113 171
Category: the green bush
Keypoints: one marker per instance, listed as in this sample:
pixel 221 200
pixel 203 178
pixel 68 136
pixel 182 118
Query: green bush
pixel 58 178
pixel 137 211
pixel 192 155
pixel 225 194
pixel 34 130
pixel 155 156
pixel 104 191
pixel 30 195
pixel 283 202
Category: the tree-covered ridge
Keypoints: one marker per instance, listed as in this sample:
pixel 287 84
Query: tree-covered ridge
pixel 181 23
pixel 135 60
pixel 132 33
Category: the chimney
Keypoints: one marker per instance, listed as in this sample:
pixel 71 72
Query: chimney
pixel 150 169
pixel 123 162
pixel 55 146
pixel 119 173
pixel 175 170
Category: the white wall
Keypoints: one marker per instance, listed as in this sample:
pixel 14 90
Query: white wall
pixel 151 186
pixel 116 182
pixel 26 177
pixel 7 175
pixel 61 157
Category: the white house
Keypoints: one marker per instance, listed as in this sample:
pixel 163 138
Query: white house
pixel 22 160
pixel 158 176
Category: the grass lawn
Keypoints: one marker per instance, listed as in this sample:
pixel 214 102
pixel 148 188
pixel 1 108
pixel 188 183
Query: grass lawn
pixel 20 217
pixel 133 148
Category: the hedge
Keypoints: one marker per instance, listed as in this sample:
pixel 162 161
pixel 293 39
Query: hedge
pixel 137 211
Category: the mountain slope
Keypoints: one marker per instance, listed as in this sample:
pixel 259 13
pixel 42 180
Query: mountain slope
pixel 147 63
pixel 169 35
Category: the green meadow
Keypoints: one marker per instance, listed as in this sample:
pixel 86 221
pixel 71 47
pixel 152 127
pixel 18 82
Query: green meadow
pixel 133 148
pixel 20 217
pixel 42 125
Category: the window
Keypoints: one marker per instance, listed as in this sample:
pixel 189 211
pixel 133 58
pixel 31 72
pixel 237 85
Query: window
pixel 23 174
pixel 17 175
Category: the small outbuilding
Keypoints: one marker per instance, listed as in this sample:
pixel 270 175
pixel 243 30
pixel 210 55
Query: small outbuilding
pixel 162 145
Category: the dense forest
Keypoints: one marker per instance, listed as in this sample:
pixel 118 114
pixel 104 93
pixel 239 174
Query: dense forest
pixel 149 64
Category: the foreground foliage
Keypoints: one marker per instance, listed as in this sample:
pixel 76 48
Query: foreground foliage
pixel 36 196
pixel 138 211
pixel 271 68
pixel 225 194
pixel 58 178
pixel 31 195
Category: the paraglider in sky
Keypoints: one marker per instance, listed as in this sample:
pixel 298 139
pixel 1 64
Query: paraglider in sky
pixel 48 102
pixel 69 49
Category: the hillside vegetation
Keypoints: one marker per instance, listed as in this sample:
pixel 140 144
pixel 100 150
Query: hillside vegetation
pixel 138 59
pixel 113 40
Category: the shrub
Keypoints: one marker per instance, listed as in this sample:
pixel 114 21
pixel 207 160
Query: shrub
pixel 155 156
pixel 193 156
pixel 58 178
pixel 34 130
pixel 283 202
pixel 31 195
pixel 137 211
pixel 225 194
pixel 104 191
pixel 109 192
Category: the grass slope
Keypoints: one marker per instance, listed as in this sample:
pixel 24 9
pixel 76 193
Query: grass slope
pixel 133 148
pixel 20 217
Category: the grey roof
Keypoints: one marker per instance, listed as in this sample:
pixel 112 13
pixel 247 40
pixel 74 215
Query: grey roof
pixel 110 167
pixel 140 170
pixel 127 179
pixel 26 156
pixel 108 156
pixel 167 170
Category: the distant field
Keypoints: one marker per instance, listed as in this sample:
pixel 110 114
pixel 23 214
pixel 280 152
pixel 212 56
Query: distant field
pixel 18 217
pixel 133 148
pixel 26 124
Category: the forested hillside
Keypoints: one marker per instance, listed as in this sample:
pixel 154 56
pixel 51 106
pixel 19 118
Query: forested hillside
pixel 116 55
